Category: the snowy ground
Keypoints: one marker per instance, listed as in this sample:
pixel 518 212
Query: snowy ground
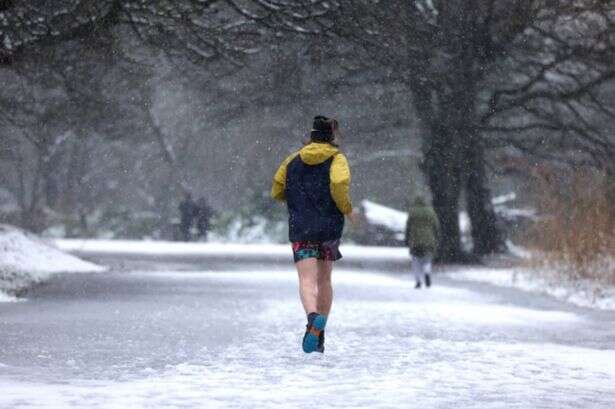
pixel 161 338
pixel 25 260
pixel 583 293
pixel 206 252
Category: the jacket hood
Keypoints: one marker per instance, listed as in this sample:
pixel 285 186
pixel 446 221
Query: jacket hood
pixel 317 153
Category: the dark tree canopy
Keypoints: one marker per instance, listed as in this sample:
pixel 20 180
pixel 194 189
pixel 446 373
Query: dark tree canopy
pixel 484 74
pixel 523 77
pixel 204 29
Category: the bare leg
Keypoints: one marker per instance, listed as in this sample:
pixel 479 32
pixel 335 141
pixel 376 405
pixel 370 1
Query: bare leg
pixel 325 290
pixel 308 284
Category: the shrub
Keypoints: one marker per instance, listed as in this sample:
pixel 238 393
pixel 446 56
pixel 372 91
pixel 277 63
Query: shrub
pixel 576 233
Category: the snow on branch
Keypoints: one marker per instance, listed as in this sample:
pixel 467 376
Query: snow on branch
pixel 194 26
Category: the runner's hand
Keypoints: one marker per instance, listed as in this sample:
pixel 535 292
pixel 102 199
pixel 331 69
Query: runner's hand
pixel 354 217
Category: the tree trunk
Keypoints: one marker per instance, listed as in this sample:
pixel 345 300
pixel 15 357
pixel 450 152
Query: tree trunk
pixel 442 154
pixel 609 189
pixel 445 202
pixel 441 167
pixel 50 185
pixel 74 178
pixel 485 234
pixel 32 216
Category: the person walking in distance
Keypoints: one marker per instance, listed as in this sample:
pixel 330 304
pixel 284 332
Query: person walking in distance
pixel 422 232
pixel 315 183
pixel 187 213
pixel 203 216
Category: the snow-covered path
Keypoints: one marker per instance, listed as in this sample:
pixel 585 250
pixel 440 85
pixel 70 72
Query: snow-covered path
pixel 158 338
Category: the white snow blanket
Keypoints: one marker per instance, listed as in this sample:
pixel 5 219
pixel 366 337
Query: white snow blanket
pixel 395 220
pixel 388 217
pixel 584 293
pixel 226 251
pixel 25 259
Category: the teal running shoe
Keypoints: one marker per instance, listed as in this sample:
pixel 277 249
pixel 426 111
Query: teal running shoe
pixel 314 328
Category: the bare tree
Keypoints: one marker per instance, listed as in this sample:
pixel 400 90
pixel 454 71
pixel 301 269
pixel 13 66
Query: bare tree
pixel 204 30
pixel 73 43
pixel 56 100
pixel 459 59
pixel 555 96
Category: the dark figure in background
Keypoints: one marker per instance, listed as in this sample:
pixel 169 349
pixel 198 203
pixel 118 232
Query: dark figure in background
pixel 203 216
pixel 187 211
pixel 422 231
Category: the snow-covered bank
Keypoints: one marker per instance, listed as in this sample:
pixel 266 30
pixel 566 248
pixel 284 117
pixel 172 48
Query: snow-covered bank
pixel 584 293
pixel 7 298
pixel 225 251
pixel 25 260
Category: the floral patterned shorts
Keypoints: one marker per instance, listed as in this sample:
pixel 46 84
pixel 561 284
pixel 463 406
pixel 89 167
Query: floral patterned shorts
pixel 321 250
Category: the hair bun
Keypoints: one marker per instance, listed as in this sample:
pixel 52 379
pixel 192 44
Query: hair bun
pixel 322 129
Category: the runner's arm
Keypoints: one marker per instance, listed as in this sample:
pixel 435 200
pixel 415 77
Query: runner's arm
pixel 340 183
pixel 279 180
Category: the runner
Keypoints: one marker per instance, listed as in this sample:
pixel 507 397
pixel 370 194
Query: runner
pixel 315 183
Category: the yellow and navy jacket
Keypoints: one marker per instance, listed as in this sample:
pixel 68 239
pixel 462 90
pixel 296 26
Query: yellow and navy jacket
pixel 315 183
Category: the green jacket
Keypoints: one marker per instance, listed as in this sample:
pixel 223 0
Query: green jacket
pixel 422 229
